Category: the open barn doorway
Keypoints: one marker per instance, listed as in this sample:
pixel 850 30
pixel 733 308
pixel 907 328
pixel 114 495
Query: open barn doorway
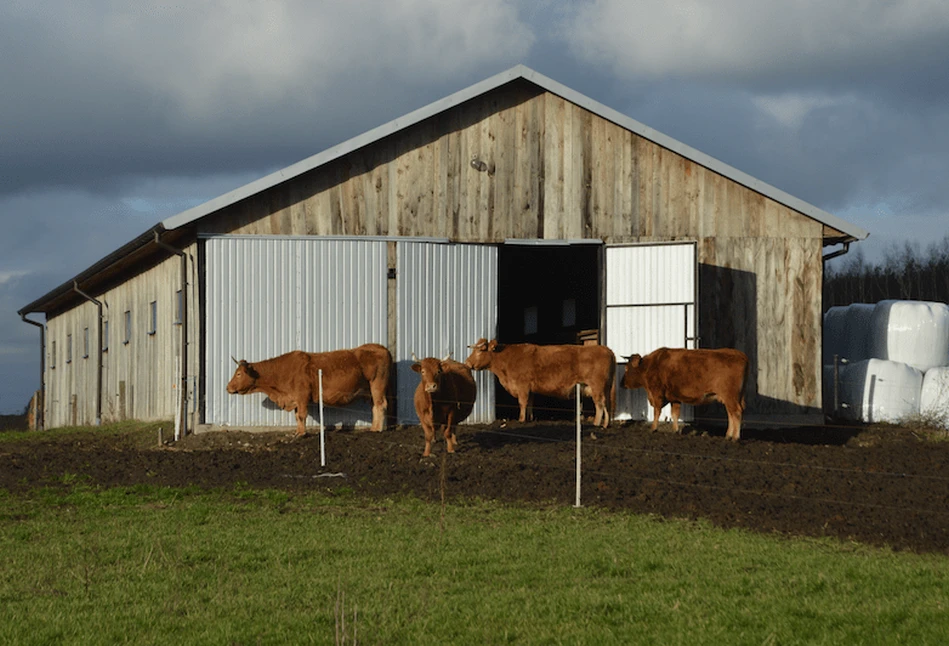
pixel 547 294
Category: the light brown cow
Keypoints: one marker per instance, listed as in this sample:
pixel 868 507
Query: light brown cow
pixel 553 370
pixel 445 396
pixel 292 380
pixel 679 376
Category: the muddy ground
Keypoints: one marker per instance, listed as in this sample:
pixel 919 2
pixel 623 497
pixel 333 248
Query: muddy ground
pixel 881 485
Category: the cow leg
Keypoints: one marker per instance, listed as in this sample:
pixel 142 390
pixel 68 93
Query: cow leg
pixel 598 415
pixel 524 400
pixel 734 422
pixel 449 436
pixel 676 406
pixel 379 405
pixel 301 419
pixel 429 429
pixel 602 417
pixel 656 409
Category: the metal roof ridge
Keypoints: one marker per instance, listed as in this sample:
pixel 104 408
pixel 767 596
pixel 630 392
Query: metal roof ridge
pixel 518 71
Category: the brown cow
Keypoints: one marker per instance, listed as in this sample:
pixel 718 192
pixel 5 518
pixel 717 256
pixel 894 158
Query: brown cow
pixel 444 396
pixel 292 380
pixel 553 370
pixel 679 376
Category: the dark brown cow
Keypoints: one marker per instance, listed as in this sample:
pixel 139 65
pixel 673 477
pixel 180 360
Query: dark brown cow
pixel 292 380
pixel 553 370
pixel 445 396
pixel 679 376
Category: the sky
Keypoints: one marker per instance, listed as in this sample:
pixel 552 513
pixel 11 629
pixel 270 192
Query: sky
pixel 117 114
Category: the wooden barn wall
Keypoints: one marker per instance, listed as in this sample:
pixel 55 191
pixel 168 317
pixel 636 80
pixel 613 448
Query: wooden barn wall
pixel 555 171
pixel 141 377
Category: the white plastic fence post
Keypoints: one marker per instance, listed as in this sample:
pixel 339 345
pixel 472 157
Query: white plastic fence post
pixel 579 434
pixel 322 446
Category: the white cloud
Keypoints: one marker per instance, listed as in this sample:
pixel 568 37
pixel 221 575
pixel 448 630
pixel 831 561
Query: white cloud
pixel 210 59
pixel 742 38
pixel 790 110
pixel 7 276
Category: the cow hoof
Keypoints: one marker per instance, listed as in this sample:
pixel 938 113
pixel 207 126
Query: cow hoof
pixel 592 435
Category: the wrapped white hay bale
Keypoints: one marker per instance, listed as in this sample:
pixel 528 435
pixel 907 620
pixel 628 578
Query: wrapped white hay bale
pixel 934 396
pixel 847 332
pixel 876 390
pixel 911 332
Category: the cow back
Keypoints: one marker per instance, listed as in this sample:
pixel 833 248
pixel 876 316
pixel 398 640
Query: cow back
pixel 347 374
pixel 555 369
pixel 689 375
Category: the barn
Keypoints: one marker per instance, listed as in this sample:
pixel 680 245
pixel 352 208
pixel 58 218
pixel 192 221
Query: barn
pixel 515 208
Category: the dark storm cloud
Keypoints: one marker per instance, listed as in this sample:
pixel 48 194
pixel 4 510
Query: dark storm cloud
pixel 106 91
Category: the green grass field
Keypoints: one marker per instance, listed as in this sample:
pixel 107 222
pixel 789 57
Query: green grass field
pixel 180 566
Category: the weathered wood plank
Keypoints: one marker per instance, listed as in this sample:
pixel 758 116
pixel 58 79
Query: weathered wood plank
pixel 554 172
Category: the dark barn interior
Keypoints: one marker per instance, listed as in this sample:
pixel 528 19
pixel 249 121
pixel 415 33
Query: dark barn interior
pixel 547 294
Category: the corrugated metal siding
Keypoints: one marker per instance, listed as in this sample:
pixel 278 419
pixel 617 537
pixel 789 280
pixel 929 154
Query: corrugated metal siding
pixel 650 303
pixel 268 296
pixel 447 300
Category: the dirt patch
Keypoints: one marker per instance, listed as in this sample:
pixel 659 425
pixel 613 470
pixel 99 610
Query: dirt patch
pixel 880 485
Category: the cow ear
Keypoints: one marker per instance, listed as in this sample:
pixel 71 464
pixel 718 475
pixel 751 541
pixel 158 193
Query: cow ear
pixel 493 345
pixel 417 367
pixel 635 360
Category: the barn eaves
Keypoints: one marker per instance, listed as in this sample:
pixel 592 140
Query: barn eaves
pixel 142 250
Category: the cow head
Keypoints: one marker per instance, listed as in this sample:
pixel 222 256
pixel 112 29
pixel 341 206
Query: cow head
pixel 431 371
pixel 244 379
pixel 481 354
pixel 633 377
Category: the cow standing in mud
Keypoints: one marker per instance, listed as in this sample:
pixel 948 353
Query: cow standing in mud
pixel 445 396
pixel 292 380
pixel 553 370
pixel 679 376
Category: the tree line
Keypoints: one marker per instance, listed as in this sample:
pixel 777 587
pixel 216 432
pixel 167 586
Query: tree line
pixel 905 273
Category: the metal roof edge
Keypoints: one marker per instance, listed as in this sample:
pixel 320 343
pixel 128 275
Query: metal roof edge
pixel 344 148
pixel 693 154
pixel 491 83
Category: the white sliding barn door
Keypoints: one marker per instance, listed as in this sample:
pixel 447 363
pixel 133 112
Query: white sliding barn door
pixel 447 300
pixel 651 302
pixel 269 295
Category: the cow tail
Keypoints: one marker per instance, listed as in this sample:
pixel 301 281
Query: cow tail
pixel 744 383
pixel 613 393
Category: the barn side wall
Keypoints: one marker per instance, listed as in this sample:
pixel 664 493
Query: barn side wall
pixel 140 377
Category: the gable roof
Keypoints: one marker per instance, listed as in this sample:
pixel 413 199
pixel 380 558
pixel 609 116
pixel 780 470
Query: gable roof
pixel 148 241
pixel 487 85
